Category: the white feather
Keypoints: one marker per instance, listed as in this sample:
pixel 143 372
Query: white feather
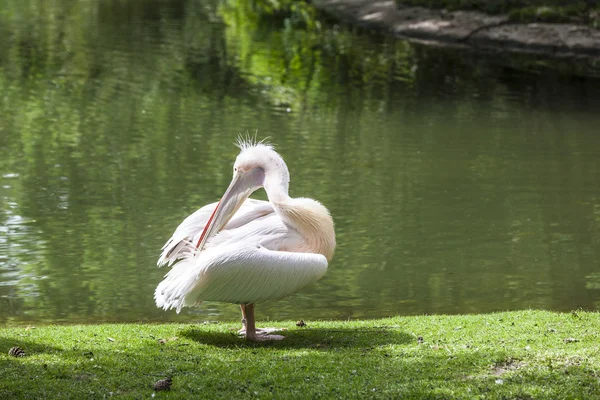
pixel 241 275
pixel 190 229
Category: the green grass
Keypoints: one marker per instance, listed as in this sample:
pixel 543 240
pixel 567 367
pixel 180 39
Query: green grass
pixel 512 355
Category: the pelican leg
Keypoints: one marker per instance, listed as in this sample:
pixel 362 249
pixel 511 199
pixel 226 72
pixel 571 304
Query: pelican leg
pixel 250 322
pixel 243 330
pixel 250 330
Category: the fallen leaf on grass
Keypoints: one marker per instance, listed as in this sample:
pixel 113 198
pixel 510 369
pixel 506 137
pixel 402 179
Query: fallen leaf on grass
pixel 163 384
pixel 171 339
pixel 16 351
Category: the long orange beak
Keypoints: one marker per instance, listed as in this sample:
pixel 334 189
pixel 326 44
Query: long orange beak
pixel 240 188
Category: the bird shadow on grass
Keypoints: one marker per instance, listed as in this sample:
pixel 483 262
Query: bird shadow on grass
pixel 317 338
pixel 29 346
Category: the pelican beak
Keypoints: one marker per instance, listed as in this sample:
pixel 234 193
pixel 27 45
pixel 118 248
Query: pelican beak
pixel 241 187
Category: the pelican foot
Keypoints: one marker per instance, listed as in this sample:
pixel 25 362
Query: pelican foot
pixel 264 337
pixel 261 331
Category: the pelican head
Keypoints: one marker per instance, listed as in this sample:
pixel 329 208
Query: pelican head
pixel 258 165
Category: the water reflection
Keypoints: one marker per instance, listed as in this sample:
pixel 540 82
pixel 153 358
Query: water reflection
pixel 457 184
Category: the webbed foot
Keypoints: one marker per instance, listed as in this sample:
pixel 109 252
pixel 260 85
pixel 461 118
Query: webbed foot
pixel 263 334
pixel 260 337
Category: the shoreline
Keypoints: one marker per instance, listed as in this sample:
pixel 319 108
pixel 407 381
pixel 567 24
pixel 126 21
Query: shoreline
pixel 467 29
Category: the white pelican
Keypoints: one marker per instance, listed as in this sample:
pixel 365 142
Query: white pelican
pixel 245 251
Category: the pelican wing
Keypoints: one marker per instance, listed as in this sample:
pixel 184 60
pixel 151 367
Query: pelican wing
pixel 240 274
pixel 178 246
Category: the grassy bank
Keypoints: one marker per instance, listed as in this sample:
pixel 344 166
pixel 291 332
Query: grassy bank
pixel 577 11
pixel 529 354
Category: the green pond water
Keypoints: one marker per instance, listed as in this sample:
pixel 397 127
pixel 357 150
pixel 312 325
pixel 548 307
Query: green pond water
pixel 458 183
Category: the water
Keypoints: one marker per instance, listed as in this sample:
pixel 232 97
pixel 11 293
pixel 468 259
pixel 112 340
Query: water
pixel 458 184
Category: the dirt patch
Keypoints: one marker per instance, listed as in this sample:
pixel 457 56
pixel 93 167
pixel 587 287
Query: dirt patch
pixel 503 367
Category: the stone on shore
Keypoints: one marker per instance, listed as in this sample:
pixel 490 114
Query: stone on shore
pixel 466 28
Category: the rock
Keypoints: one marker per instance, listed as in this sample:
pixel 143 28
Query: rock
pixel 466 28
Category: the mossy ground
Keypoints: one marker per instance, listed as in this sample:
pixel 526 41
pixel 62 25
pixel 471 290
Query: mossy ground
pixel 511 355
